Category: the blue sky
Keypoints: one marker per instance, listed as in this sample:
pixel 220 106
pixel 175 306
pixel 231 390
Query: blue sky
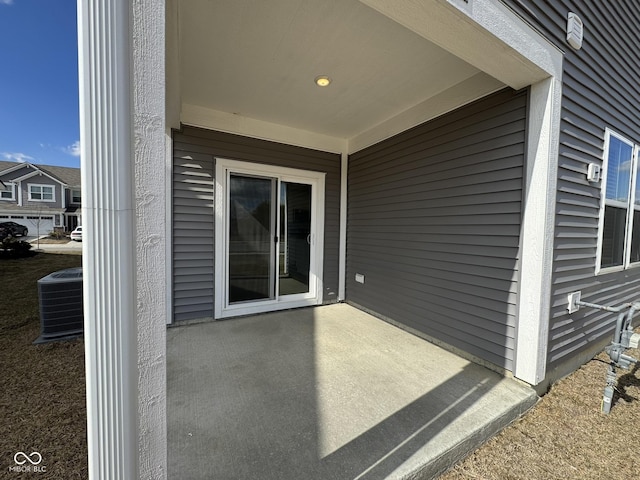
pixel 39 82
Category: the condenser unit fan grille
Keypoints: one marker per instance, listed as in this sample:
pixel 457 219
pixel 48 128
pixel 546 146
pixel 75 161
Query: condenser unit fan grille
pixel 61 314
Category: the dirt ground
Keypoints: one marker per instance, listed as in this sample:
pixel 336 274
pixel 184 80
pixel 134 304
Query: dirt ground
pixel 565 436
pixel 42 405
pixel 42 399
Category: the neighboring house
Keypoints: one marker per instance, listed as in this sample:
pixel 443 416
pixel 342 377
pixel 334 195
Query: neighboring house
pixel 445 180
pixel 40 197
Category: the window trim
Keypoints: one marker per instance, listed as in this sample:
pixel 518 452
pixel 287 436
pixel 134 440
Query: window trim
pixel 41 185
pixel 630 205
pixel 13 192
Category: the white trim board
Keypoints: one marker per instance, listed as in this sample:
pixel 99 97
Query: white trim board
pixel 39 172
pixel 198 116
pixel 537 231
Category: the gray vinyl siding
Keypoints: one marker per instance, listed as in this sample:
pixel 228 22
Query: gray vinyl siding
pixel 68 195
pixel 193 233
pixel 195 150
pixel 41 180
pixel 434 218
pixel 600 89
pixel 22 187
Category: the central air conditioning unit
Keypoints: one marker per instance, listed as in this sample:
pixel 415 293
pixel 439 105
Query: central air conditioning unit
pixel 61 315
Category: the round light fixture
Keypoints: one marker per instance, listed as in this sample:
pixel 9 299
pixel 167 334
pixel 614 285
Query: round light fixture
pixel 322 81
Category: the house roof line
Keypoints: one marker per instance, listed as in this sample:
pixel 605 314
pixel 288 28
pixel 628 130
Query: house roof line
pixel 68 176
pixel 38 172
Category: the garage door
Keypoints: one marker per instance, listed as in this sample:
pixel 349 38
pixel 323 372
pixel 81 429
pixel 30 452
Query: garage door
pixel 42 225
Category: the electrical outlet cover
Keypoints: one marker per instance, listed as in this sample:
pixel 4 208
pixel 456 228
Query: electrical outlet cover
pixel 573 299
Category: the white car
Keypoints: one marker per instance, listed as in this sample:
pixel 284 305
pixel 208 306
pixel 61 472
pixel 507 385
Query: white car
pixel 76 235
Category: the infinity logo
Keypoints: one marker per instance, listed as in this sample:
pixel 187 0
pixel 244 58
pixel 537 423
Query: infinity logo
pixel 34 459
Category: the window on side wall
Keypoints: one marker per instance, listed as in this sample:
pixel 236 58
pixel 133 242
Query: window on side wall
pixel 620 211
pixel 76 196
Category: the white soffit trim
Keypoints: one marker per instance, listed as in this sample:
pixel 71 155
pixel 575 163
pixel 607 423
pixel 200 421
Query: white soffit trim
pixel 17 166
pixel 197 116
pixel 467 91
pixel 37 171
pixel 470 28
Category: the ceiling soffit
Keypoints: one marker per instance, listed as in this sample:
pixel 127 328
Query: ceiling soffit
pixel 258 60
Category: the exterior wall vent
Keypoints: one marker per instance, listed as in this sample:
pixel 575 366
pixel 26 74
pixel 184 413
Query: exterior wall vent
pixel 61 313
pixel 575 30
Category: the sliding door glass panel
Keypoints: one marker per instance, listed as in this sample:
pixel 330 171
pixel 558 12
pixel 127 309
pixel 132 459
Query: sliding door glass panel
pixel 251 239
pixel 295 238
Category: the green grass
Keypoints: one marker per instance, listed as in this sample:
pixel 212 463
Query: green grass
pixel 42 399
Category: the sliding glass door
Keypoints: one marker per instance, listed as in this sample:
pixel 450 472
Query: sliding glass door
pixel 269 243
pixel 251 239
pixel 295 238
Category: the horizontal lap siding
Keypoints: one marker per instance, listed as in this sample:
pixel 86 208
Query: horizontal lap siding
pixel 193 238
pixel 195 150
pixel 434 222
pixel 600 89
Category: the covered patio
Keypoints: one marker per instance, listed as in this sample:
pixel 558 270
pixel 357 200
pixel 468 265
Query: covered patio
pixel 325 392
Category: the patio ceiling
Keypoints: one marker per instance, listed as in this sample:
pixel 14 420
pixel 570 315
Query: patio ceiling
pixel 258 59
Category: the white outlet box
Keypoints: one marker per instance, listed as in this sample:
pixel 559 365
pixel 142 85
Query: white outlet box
pixel 359 278
pixel 573 299
pixel 594 172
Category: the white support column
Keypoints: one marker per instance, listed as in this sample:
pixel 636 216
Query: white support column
pixel 342 265
pixel 536 249
pixel 151 199
pixel 109 237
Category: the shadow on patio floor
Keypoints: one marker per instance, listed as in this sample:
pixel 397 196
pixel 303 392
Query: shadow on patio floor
pixel 324 393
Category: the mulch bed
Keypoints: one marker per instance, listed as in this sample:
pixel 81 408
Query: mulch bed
pixel 52 241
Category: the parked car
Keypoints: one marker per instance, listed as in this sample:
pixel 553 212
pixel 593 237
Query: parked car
pixel 76 235
pixel 15 229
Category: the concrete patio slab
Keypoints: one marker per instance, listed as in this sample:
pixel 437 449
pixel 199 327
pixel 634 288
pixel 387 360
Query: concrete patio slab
pixel 325 393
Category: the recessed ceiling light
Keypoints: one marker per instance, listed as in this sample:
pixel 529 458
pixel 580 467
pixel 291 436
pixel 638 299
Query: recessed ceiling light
pixel 322 81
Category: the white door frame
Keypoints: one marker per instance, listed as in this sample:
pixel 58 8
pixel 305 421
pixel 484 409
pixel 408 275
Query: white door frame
pixel 224 167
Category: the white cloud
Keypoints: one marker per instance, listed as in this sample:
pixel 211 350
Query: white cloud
pixel 74 149
pixel 625 166
pixel 6 2
pixel 16 157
